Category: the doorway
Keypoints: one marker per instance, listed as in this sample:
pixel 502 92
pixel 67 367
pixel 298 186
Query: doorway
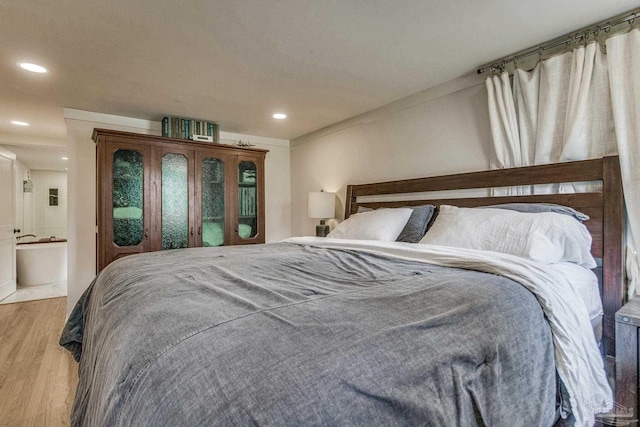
pixel 39 214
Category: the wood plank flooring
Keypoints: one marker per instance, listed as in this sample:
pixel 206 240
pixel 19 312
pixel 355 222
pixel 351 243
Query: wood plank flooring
pixel 38 378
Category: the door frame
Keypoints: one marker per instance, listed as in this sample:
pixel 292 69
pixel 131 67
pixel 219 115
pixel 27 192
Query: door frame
pixel 8 231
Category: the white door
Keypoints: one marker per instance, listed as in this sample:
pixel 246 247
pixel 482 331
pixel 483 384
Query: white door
pixel 7 238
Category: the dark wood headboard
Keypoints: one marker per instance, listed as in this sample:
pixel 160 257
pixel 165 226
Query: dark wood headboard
pixel 606 209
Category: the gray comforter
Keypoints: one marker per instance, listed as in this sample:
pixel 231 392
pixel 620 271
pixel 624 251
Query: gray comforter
pixel 284 334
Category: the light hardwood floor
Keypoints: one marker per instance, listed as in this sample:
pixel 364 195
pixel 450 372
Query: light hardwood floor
pixel 38 378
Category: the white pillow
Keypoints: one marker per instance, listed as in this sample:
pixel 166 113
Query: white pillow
pixel 544 237
pixel 380 224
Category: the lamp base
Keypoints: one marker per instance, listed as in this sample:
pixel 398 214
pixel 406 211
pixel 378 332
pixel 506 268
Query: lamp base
pixel 322 230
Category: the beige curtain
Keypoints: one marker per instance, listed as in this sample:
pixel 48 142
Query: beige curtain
pixel 564 111
pixel 507 151
pixel 504 126
pixel 623 54
pixel 579 105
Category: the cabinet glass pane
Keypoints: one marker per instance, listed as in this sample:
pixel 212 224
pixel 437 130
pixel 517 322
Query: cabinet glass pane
pixel 212 202
pixel 127 198
pixel 247 200
pixel 175 201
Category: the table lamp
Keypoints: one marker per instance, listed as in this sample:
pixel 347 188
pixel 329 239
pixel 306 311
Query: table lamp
pixel 322 205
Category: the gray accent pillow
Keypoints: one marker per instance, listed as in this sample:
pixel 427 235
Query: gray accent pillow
pixel 416 226
pixel 541 207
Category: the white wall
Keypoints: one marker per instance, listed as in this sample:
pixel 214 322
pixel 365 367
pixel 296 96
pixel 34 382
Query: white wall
pixel 81 217
pixel 49 220
pixel 439 131
pixel 29 209
pixel 21 173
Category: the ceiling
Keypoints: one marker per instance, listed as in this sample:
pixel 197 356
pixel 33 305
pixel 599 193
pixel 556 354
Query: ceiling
pixel 237 62
pixel 40 157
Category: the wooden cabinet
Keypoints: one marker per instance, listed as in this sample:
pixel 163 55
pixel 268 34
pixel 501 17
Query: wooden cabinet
pixel 157 193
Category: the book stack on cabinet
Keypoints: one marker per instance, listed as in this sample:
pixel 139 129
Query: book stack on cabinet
pixel 183 128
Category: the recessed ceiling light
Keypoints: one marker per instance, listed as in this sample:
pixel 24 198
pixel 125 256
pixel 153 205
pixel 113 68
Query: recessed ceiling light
pixel 19 123
pixel 279 116
pixel 34 68
pixel 65 158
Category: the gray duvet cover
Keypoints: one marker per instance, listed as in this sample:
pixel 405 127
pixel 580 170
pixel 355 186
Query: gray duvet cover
pixel 290 335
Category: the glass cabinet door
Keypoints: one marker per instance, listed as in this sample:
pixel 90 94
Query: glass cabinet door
pixel 212 202
pixel 128 198
pixel 247 200
pixel 175 201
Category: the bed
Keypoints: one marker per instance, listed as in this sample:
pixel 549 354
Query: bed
pixel 314 331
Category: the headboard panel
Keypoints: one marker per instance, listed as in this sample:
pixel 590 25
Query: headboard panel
pixel 605 208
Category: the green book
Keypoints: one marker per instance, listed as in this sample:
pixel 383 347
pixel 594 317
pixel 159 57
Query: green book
pixel 216 133
pixel 176 127
pixel 165 126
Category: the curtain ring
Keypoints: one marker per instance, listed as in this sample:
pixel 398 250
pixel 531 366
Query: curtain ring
pixel 515 61
pixel 631 21
pixel 540 52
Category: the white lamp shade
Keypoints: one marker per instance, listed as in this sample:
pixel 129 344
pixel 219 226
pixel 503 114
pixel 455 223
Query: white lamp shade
pixel 322 205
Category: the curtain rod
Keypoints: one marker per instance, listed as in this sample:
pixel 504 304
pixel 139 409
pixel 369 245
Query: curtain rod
pixel 574 37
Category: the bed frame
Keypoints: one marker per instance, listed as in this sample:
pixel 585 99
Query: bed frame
pixel 606 209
